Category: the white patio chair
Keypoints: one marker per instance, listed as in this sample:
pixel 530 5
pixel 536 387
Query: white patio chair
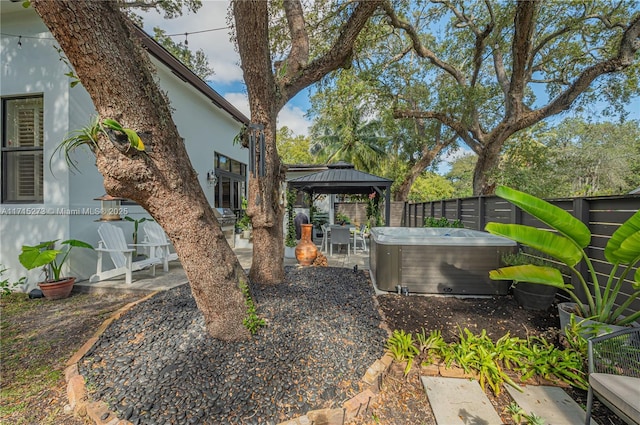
pixel 113 242
pixel 159 245
pixel 340 235
pixel 359 235
pixel 325 238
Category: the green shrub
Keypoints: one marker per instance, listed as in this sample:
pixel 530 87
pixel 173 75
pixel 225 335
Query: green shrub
pixel 7 287
pixel 442 222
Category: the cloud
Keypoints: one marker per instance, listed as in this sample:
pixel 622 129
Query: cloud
pixel 293 117
pixel 216 44
pixel 223 57
pixel 240 101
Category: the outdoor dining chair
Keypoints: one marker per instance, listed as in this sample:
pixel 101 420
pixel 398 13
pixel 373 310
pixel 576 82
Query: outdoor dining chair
pixel 324 245
pixel 340 235
pixel 359 236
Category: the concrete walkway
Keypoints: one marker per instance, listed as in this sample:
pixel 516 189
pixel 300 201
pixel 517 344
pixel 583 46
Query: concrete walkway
pixel 144 281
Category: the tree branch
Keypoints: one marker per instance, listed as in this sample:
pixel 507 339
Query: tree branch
pixel 420 49
pixel 299 54
pixel 338 55
pixel 501 75
pixel 629 45
pixel 521 51
pixel 460 129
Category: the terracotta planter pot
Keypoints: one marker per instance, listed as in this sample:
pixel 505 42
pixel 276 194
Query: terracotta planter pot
pixel 58 289
pixel 306 251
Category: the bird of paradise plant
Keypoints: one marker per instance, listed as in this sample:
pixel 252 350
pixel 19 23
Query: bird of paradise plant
pixel 568 246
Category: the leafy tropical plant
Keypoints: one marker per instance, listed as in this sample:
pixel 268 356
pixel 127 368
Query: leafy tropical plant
pixel 433 341
pixel 290 239
pixel 374 215
pixel 46 255
pixel 252 322
pixel 568 247
pixel 6 286
pixel 520 417
pixel 479 354
pixel 85 136
pixel 541 358
pixel 342 218
pixel 490 361
pixel 88 136
pixel 245 222
pixel 136 224
pixel 134 139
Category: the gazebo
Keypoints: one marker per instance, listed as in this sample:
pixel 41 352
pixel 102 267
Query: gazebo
pixel 342 178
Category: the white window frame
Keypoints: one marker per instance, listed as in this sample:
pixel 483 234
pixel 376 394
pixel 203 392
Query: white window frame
pixel 23 149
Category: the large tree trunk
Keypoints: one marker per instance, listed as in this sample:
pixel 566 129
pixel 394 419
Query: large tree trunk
pixel 531 48
pixel 429 154
pixel 265 203
pixel 488 159
pixel 117 73
pixel 268 93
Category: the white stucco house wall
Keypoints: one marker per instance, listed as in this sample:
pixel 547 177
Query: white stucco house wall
pixel 43 199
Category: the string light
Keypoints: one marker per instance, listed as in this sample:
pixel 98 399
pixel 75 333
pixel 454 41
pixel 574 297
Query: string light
pixel 197 32
pixel 185 34
pixel 20 37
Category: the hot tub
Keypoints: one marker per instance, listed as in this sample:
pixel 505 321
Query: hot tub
pixel 433 260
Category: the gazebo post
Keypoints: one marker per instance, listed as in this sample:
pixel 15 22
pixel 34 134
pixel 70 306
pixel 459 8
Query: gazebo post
pixel 387 206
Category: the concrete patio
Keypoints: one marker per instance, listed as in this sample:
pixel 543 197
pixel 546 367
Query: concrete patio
pixel 144 281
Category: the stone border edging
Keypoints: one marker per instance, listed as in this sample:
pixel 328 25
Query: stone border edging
pixel 79 402
pixel 99 413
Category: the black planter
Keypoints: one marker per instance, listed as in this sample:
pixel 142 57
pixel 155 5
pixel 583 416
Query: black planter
pixel 534 296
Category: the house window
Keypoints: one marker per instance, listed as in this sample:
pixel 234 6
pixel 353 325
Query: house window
pixel 22 153
pixel 230 186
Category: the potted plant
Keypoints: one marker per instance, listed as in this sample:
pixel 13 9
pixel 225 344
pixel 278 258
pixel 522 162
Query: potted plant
pixel 290 239
pixel 530 296
pixel 45 255
pixel 244 224
pixel 136 225
pixel 342 219
pixel 568 247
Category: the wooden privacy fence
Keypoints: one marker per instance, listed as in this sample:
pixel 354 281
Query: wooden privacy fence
pixel 602 215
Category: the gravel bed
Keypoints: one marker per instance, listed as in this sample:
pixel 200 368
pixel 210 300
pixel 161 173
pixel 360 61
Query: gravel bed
pixel 156 365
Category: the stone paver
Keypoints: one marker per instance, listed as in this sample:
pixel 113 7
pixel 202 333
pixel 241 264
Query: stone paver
pixel 459 402
pixel 552 404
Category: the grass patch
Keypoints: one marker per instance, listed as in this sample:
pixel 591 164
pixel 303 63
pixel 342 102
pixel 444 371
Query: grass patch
pixel 28 369
pixel 37 338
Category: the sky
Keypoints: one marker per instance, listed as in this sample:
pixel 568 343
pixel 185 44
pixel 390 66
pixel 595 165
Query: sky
pixel 224 59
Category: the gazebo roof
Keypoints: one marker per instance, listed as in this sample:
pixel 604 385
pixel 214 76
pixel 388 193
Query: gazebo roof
pixel 340 178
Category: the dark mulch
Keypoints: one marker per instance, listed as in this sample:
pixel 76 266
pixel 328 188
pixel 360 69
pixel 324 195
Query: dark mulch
pixel 156 364
pixel 403 400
